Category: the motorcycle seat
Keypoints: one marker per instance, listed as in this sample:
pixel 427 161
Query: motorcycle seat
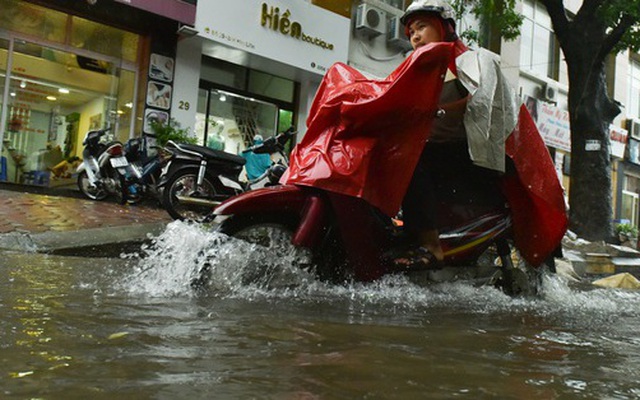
pixel 211 154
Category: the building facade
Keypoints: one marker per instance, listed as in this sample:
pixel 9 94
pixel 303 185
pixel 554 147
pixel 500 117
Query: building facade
pixel 71 66
pixel 230 70
pixel 253 68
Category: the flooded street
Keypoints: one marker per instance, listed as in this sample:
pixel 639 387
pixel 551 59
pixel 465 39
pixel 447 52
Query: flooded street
pixel 131 328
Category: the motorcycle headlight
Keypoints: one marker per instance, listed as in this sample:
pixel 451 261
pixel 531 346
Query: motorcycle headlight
pixel 275 173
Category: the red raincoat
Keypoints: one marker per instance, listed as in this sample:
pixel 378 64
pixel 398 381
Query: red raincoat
pixel 364 138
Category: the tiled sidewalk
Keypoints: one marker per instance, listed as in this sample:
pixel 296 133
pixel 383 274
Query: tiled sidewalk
pixel 37 213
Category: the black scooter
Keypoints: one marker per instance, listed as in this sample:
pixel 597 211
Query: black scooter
pixel 196 178
pixel 146 160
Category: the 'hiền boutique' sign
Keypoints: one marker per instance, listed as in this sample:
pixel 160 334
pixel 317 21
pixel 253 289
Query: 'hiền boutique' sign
pixel 292 32
pixel 272 19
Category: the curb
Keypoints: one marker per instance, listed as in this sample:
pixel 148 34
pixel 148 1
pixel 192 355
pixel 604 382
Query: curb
pixel 54 241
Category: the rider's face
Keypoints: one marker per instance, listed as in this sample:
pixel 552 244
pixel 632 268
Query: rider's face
pixel 424 29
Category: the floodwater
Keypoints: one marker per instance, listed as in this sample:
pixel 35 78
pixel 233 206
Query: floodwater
pixel 131 328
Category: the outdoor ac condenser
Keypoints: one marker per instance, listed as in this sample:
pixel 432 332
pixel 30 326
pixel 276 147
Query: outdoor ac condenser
pixel 395 34
pixel 370 20
pixel 550 92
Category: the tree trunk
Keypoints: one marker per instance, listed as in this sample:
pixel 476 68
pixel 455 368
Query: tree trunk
pixel 591 111
pixel 590 191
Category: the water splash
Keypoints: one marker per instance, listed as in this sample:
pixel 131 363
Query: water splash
pixel 237 269
pixel 184 252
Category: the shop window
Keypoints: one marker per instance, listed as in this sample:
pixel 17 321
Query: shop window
pixel 35 21
pixel 52 103
pixel 630 199
pixel 52 26
pixel 121 110
pixel 236 119
pixel 103 39
pixel 539 51
pixel 223 73
pixel 629 209
pixel 271 86
pixel 633 95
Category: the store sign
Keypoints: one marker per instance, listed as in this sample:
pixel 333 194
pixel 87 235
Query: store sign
pixel 619 137
pixel 292 32
pixel 272 19
pixel 553 124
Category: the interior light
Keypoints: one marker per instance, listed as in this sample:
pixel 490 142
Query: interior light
pixel 129 104
pixel 23 84
pixel 13 94
pixel 223 97
pixel 51 98
pixel 120 112
pixel 63 90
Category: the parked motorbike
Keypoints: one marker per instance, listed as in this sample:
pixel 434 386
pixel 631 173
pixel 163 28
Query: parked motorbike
pixel 197 178
pixel 104 167
pixel 146 160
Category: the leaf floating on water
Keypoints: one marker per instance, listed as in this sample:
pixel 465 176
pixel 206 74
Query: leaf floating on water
pixel 117 335
pixel 21 374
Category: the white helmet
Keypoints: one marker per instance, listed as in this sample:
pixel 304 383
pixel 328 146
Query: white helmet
pixel 439 7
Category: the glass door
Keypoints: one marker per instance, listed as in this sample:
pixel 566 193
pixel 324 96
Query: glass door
pixel 229 121
pixel 54 98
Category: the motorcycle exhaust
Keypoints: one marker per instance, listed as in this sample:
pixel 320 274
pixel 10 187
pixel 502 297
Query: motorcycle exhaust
pixel 197 201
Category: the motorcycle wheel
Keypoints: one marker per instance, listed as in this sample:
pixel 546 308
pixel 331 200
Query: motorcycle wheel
pixel 94 193
pixel 120 189
pixel 134 198
pixel 520 279
pixel 273 233
pixel 182 184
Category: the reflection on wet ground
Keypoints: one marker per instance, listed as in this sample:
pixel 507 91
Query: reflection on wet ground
pixel 74 327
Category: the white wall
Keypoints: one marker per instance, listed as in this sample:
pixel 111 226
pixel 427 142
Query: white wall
pixel 186 82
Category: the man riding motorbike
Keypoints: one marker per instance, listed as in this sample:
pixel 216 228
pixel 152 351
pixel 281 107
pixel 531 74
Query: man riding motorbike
pixel 365 139
pixel 453 137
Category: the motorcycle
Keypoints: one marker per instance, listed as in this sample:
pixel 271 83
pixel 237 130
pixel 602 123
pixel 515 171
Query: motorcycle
pixel 347 239
pixel 145 165
pixel 103 169
pixel 333 216
pixel 197 178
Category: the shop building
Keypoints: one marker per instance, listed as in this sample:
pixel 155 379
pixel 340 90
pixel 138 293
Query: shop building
pixel 70 66
pixel 253 67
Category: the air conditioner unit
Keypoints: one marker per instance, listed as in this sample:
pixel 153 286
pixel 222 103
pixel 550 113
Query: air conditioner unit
pixel 633 127
pixel 370 21
pixel 550 92
pixel 395 34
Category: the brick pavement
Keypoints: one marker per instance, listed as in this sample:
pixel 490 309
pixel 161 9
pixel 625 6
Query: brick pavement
pixel 37 213
pixel 50 221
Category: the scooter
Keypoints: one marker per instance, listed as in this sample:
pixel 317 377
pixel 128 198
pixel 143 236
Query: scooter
pixel 146 160
pixel 104 167
pixel 196 178
pixel 347 239
pixel 337 222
